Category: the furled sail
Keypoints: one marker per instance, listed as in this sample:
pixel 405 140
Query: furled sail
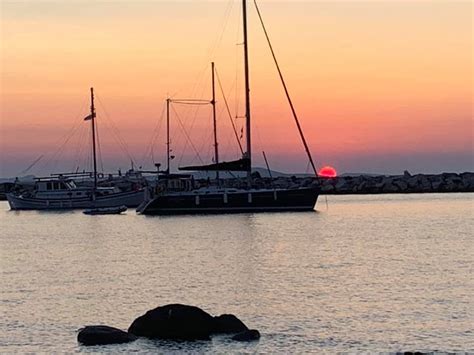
pixel 242 164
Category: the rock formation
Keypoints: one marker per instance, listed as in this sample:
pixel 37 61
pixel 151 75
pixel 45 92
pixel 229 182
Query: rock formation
pixel 228 323
pixel 247 335
pixel 102 335
pixel 174 321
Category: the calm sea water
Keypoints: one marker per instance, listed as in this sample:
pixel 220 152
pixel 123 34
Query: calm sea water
pixel 363 273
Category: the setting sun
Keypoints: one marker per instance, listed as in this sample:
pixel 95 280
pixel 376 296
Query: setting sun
pixel 327 171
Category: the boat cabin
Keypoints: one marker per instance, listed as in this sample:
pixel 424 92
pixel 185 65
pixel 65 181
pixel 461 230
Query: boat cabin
pixel 175 182
pixel 55 185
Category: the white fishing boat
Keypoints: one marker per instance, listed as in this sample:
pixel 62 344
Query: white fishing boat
pixel 61 192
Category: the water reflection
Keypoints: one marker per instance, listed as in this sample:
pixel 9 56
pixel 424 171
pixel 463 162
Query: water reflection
pixel 370 273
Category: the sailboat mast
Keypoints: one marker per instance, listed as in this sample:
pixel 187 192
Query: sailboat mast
pixel 93 137
pixel 168 135
pixel 213 102
pixel 247 88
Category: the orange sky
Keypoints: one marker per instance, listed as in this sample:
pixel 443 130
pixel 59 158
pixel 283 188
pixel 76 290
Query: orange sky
pixel 380 86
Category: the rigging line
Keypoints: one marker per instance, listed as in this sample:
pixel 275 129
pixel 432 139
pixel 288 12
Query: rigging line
pixel 58 153
pixel 209 154
pixel 71 132
pixel 223 25
pixel 149 146
pixel 68 133
pixel 81 143
pixel 88 164
pixel 205 144
pixel 86 155
pixel 226 21
pixel 220 30
pixel 187 135
pixel 121 144
pixel 198 107
pixel 228 147
pixel 193 121
pixel 112 127
pixel 77 152
pixel 189 100
pixel 261 145
pixel 228 111
pixel 286 91
pixel 191 103
pixel 154 136
pixel 186 138
pixel 83 148
pixel 199 79
pixel 116 132
pixel 83 154
pixel 98 145
pixel 32 164
pixel 212 48
pixel 55 158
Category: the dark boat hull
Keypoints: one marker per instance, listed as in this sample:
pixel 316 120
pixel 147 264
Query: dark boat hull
pixel 278 200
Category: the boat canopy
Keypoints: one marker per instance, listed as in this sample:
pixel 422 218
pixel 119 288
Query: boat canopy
pixel 242 164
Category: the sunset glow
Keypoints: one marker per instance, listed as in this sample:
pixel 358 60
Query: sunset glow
pixel 379 86
pixel 327 171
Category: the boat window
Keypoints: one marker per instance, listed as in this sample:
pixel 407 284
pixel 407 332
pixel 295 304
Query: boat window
pixel 63 187
pixel 49 186
pixel 78 193
pixel 71 184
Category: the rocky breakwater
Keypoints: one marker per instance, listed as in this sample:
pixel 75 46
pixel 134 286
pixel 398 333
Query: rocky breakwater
pixel 406 183
pixel 171 322
pixel 367 184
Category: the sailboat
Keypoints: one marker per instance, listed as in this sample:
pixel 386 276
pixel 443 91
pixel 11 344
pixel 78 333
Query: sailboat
pixel 182 194
pixel 61 192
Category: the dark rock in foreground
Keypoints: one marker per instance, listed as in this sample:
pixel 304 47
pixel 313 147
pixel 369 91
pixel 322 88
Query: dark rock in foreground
pixel 102 335
pixel 247 335
pixel 228 323
pixel 174 321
